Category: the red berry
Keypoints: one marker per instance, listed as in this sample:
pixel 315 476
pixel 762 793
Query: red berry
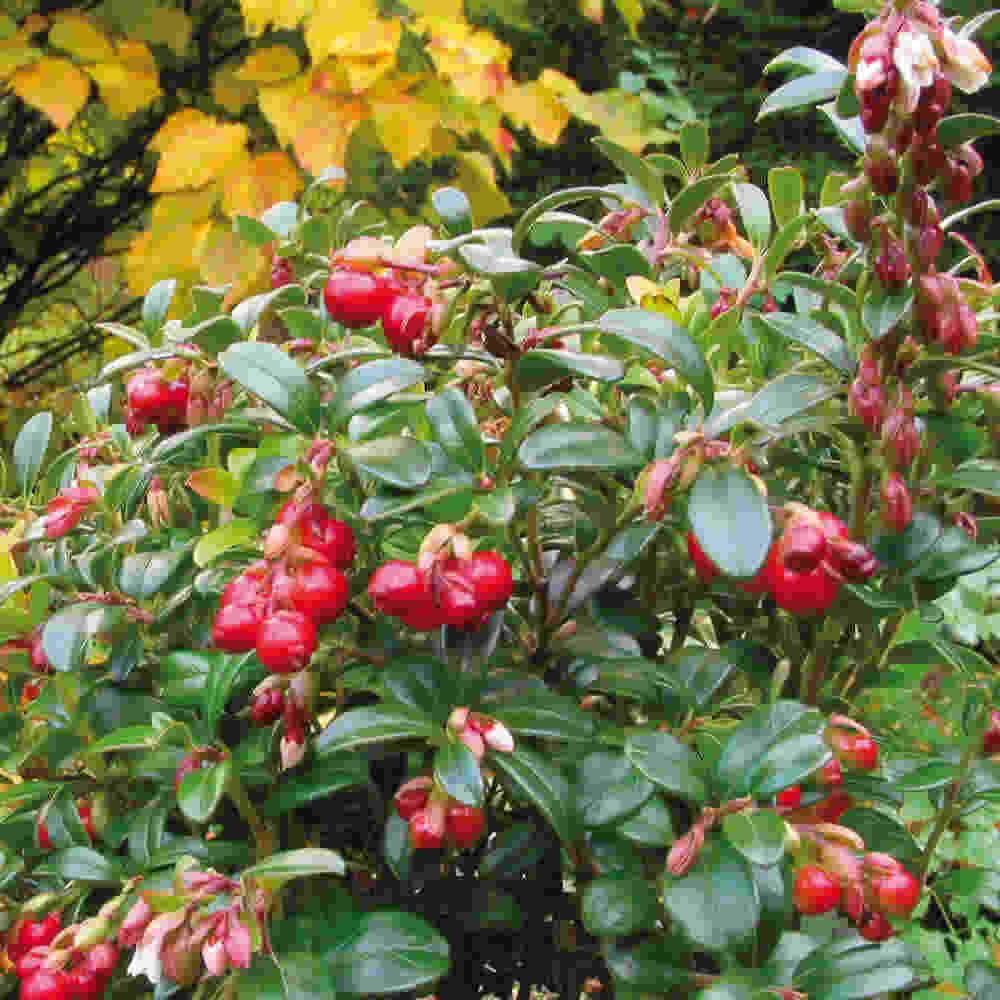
pixel 47 984
pixel 830 774
pixel 456 596
pixel 319 530
pixel 705 569
pixel 146 394
pixel 281 272
pixel 790 798
pixel 816 891
pixel 830 809
pixel 465 825
pixel 252 586
pixel 897 893
pixel 491 578
pixel 991 738
pixel 356 298
pixel 102 958
pixel 800 593
pixel 267 707
pixel 44 840
pixel 30 691
pixel 412 797
pixel 320 591
pixel 236 627
pixel 874 927
pixel 86 983
pixel 35 933
pixel 286 641
pixel 856 751
pixel 403 590
pixel 27 964
pixel 802 545
pixel 86 817
pixel 426 828
pixel 198 758
pixel 39 659
pixel 405 323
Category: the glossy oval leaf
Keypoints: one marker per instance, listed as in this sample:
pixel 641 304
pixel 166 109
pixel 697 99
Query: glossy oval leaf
pixel 403 462
pixel 454 424
pixel 609 788
pixel 667 762
pixel 617 905
pixel 456 770
pixel 371 383
pixel 759 835
pixel 809 333
pixel 730 519
pixel 201 791
pixel 29 450
pixel 373 724
pixel 533 778
pixel 578 446
pixel 268 372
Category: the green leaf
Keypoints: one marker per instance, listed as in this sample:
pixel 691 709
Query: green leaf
pixel 617 905
pixel 145 574
pixel 201 791
pixel 654 965
pixel 833 291
pixel 788 237
pixel 325 778
pixel 453 208
pixel 513 851
pixel 82 864
pixel 715 904
pixel 730 519
pixel 268 372
pixel 786 186
pixel 805 60
pixel 651 826
pixel 402 462
pixel 67 634
pixel 780 400
pixel 129 738
pixel 511 277
pixel 882 310
pixel 955 554
pixel 371 383
pixel 549 203
pixel 456 770
pixel 809 333
pixel 758 835
pixel 956 129
pixel 541 367
pixel 286 865
pixel 224 673
pixel 850 969
pixel 665 339
pixel 897 551
pixel 689 199
pixel 374 724
pixel 577 446
pixel 981 475
pixel 698 671
pixel 547 716
pixel 668 763
pixel 609 788
pixel 755 213
pixel 156 304
pixel 29 450
pixel 234 534
pixel 645 177
pixel 453 422
pixel 775 746
pixel 253 231
pixel 804 90
pixel 695 145
pixel 531 777
pixel 884 833
pixel 387 952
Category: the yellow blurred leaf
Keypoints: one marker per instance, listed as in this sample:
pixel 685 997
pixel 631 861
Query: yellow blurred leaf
pixel 81 38
pixel 215 485
pixel 404 127
pixel 8 27
pixel 655 298
pixel 162 25
pixel 54 86
pixel 230 92
pixel 258 182
pixel 366 56
pixel 130 82
pixel 201 154
pixel 437 8
pixel 592 10
pixel 183 208
pixel 333 19
pixel 472 59
pixel 258 14
pixel 536 106
pixel 269 65
pixel 631 12
pixel 155 255
pixel 478 180
pixel 15 53
pixel 316 126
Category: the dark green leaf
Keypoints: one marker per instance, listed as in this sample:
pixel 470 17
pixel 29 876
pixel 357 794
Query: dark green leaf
pixel 82 864
pixel 803 90
pixel 897 551
pixel 953 130
pixel 955 554
pixel 539 368
pixel 668 763
pixel 882 310
pixel 811 334
pixel 759 835
pixel 546 716
pixel 730 519
pixel 645 177
pixel 402 462
pixel 609 788
pixel 691 198
pixel 849 969
pixel 667 340
pixel 982 980
pixel 373 724
pixel 652 966
pixel 325 778
pixel 201 791
pixel 422 683
pixel 268 372
pixel 371 383
pixel 617 905
pixel 882 832
pixel 456 770
pixel 577 446
pixel 698 671
pixel 454 424
pixel 651 826
pixel 781 399
pixel 145 574
pixel 755 213
pixel 530 776
pixel 981 475
pixel 253 231
pixel 156 303
pixel 715 904
pixel 280 868
pixel 513 851
pixel 224 674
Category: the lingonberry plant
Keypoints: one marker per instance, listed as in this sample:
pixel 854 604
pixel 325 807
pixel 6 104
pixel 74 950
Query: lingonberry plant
pixel 563 590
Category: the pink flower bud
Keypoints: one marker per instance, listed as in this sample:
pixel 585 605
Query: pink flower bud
pixel 866 401
pixel 897 505
pixel 474 742
pixel 498 737
pixel 685 851
pixel 900 438
pixel 660 478
pixel 892 265
pixel 930 242
pixel 458 719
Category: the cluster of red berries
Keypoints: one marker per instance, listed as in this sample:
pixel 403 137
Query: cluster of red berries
pixel 275 607
pixel 29 949
pixel 37 660
pixel 806 564
pixel 457 592
pixel 435 819
pixel 153 399
pixel 357 299
pixel 884 889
